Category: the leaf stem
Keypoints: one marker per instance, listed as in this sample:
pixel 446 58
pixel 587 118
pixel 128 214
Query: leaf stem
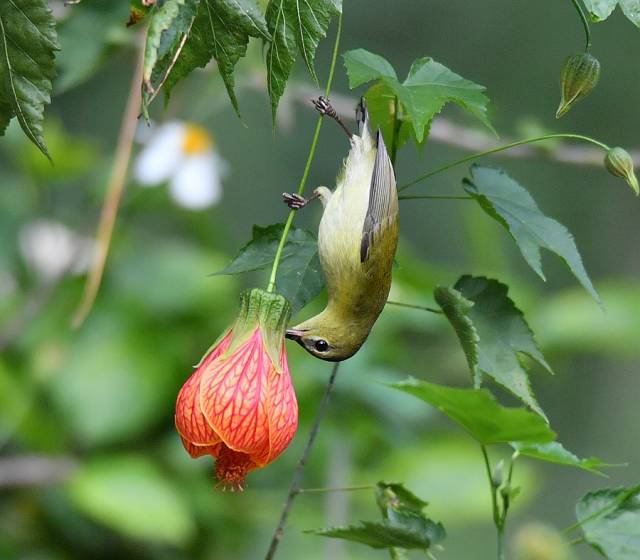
pixel 499 518
pixel 433 197
pixel 305 174
pixel 341 489
pixel 585 24
pixel 113 195
pixel 502 148
pixel 623 497
pixel 396 130
pixel 294 488
pixel 412 306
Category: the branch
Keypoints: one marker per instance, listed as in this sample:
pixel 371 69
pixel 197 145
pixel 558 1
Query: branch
pixel 444 131
pixel 115 188
pixel 294 488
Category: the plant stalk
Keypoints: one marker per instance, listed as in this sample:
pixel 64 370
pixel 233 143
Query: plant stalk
pixel 294 488
pixel 271 286
pixel 585 24
pixel 500 149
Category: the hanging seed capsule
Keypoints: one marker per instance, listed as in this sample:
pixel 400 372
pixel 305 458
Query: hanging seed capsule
pixel 579 76
pixel 620 163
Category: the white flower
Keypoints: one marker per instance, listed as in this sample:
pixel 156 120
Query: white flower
pixel 182 154
pixel 51 249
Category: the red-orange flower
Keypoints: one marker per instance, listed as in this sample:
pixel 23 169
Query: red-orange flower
pixel 239 405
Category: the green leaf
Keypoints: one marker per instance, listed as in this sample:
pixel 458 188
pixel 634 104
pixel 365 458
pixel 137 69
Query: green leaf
pixel 602 9
pixel 503 334
pixel 130 495
pixel 456 308
pixel 299 277
pixel 554 452
pixel 479 414
pixel 395 495
pixel 610 520
pixel 221 31
pixel 169 26
pixel 294 27
pixel 28 42
pixel 382 534
pixel 428 87
pixel 511 205
pixel 363 66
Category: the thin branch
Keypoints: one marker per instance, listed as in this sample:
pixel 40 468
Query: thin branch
pixel 444 131
pixel 113 195
pixel 294 488
pixel 341 489
pixel 412 306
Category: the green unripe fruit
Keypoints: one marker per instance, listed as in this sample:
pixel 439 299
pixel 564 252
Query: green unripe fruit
pixel 579 76
pixel 620 163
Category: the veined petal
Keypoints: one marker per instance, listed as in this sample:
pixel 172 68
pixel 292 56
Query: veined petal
pixel 190 423
pixel 283 410
pixel 196 184
pixel 233 397
pixel 160 158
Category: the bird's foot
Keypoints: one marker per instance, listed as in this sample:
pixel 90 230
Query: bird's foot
pixel 324 107
pixel 294 201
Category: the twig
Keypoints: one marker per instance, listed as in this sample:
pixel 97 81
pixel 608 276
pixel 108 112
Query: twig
pixel 113 195
pixel 294 488
pixel 412 306
pixel 444 131
pixel 34 470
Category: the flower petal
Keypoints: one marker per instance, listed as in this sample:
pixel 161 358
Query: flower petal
pixel 161 157
pixel 196 183
pixel 283 411
pixel 190 423
pixel 233 397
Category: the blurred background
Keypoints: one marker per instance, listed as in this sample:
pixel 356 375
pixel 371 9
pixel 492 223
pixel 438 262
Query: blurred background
pixel 90 463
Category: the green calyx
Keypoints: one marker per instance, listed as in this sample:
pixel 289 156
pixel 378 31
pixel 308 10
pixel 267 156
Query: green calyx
pixel 620 163
pixel 267 311
pixel 580 74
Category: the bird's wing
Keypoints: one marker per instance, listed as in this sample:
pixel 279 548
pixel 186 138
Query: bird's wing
pixel 382 200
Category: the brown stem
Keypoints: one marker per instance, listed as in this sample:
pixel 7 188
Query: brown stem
pixel 294 488
pixel 113 196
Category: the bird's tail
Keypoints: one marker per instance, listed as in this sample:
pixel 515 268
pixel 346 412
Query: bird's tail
pixel 362 118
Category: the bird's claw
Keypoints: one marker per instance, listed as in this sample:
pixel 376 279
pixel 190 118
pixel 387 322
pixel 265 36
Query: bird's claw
pixel 294 201
pixel 324 107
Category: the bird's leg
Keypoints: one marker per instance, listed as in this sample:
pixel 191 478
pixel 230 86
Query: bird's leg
pixel 296 201
pixel 324 107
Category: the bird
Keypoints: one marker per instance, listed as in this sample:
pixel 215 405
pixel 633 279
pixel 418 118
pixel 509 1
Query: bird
pixel 357 242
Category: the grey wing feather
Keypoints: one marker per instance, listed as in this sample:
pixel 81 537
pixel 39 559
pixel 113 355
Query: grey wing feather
pixel 382 195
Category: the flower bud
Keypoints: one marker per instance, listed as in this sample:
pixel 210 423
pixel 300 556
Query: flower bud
pixel 579 76
pixel 619 163
pixel 239 405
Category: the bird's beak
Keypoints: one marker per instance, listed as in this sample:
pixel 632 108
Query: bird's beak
pixel 294 334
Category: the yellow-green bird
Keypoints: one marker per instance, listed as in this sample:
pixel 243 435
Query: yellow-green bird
pixel 357 241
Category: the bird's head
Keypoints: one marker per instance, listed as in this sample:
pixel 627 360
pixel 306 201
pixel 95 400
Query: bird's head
pixel 329 338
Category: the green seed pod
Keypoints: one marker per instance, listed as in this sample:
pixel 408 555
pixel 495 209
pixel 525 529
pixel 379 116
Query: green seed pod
pixel 619 163
pixel 579 76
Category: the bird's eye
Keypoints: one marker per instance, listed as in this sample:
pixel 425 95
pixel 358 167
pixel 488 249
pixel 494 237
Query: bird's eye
pixel 321 345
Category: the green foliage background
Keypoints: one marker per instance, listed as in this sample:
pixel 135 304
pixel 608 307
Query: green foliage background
pixel 103 396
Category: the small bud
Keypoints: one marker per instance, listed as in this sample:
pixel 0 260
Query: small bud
pixel 497 477
pixel 619 163
pixel 579 76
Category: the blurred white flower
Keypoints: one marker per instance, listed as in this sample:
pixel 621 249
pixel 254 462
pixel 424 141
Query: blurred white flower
pixel 184 155
pixel 51 249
